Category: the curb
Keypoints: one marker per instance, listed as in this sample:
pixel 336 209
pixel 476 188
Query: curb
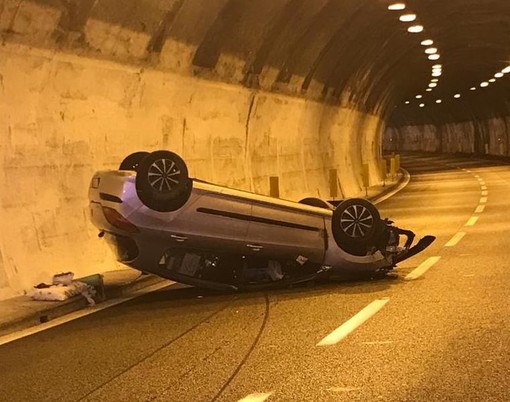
pixel 75 303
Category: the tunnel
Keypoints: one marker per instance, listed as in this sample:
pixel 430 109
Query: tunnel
pixel 243 90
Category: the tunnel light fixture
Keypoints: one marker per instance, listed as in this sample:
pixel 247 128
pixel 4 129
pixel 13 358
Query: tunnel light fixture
pixel 437 74
pixel 437 66
pixel 433 85
pixel 506 70
pixel 439 101
pixel 434 57
pixel 431 50
pixel 499 75
pixel 397 6
pixel 484 84
pixel 427 42
pixel 456 96
pixel 422 104
pixel 419 96
pixel 429 90
pixel 492 80
pixel 407 102
pixel 434 80
pixel 415 29
pixel 472 89
pixel 408 17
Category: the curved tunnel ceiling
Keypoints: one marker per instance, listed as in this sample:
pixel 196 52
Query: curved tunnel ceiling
pixel 352 52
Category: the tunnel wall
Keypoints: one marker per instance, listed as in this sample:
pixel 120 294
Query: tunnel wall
pixel 490 137
pixel 66 115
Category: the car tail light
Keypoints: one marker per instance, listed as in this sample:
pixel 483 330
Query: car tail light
pixel 114 218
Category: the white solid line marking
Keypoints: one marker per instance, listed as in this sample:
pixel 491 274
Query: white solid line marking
pixel 455 239
pixel 422 268
pixel 343 389
pixel 480 209
pixel 256 397
pixel 350 325
pixel 472 221
pixel 377 343
pixel 483 200
pixel 407 179
pixel 80 313
pixel 485 193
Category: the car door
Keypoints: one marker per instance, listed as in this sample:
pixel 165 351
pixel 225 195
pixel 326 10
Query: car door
pixel 213 222
pixel 284 232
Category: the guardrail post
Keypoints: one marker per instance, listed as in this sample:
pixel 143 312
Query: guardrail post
pixel 366 178
pixel 393 168
pixel 333 180
pixel 274 186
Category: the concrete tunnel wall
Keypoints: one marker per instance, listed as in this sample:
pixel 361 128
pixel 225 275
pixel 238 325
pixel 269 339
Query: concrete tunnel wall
pixel 68 112
pixel 483 137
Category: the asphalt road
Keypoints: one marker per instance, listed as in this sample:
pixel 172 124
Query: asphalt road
pixel 443 335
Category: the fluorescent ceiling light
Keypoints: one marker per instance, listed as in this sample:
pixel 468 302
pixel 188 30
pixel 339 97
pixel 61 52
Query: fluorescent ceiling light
pixel 419 96
pixel 397 6
pixel 429 90
pixel 408 102
pixel 484 84
pixel 427 42
pixel 499 75
pixel 431 50
pixel 439 101
pixel 437 66
pixel 473 88
pixel 437 74
pixel 434 57
pixel 433 85
pixel 434 80
pixel 492 80
pixel 422 104
pixel 407 17
pixel 456 96
pixel 416 29
pixel 506 70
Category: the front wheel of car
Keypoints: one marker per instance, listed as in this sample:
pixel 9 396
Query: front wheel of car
pixel 355 225
pixel 162 181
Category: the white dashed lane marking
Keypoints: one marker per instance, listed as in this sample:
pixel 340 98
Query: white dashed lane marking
pixel 472 221
pixel 455 239
pixel 256 397
pixel 350 325
pixel 483 200
pixel 480 209
pixel 422 268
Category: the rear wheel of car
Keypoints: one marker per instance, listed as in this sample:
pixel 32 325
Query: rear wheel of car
pixel 162 181
pixel 132 161
pixel 355 225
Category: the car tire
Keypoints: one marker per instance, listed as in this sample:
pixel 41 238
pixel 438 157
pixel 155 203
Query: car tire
pixel 132 161
pixel 355 225
pixel 162 181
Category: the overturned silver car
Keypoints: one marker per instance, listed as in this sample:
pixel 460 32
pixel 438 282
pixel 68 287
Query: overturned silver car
pixel 159 220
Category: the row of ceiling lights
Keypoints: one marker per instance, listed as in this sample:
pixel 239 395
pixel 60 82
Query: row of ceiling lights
pixel 431 51
pixel 499 74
